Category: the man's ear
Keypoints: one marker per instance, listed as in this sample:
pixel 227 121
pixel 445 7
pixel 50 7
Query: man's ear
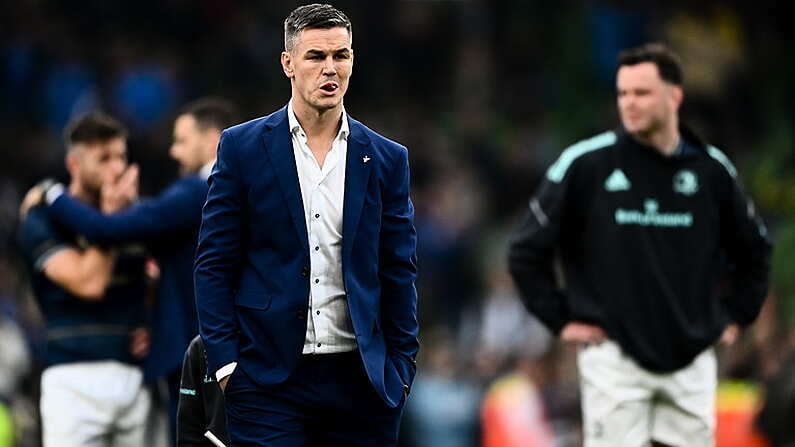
pixel 287 64
pixel 678 95
pixel 71 161
pixel 213 138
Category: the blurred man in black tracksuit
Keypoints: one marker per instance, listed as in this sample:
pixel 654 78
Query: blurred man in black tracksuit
pixel 648 221
pixel 201 420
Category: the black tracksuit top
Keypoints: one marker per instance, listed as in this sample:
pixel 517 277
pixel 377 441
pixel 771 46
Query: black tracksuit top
pixel 661 252
pixel 201 407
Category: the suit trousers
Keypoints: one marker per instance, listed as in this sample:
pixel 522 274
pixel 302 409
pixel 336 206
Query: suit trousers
pixel 327 401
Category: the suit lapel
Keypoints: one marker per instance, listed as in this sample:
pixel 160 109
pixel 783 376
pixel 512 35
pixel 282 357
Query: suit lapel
pixel 358 168
pixel 279 146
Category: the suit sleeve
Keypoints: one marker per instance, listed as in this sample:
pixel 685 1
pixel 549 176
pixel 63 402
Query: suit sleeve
pixel 176 209
pixel 190 410
pixel 745 239
pixel 532 253
pixel 398 271
pixel 218 257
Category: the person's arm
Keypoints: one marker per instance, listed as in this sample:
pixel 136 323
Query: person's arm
pixel 398 271
pixel 532 253
pixel 744 237
pixel 176 209
pixel 218 259
pixel 190 409
pixel 85 274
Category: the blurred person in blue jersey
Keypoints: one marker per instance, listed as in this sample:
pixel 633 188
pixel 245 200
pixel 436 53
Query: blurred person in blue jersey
pixel 306 262
pixel 663 255
pixel 168 224
pixel 92 299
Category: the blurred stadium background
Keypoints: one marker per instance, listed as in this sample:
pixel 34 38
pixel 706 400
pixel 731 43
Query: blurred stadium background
pixel 485 94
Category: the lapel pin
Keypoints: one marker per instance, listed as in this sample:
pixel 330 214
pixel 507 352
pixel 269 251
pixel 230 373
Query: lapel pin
pixel 365 159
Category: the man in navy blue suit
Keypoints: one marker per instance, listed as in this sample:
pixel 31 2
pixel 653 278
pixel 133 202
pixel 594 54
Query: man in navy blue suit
pixel 306 264
pixel 169 223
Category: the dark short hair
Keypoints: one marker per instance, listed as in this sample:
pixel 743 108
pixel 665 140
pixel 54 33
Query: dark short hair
pixel 211 113
pixel 314 16
pixel 94 127
pixel 667 62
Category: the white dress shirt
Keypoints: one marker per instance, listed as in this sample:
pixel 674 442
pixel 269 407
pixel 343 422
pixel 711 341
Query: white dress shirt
pixel 329 328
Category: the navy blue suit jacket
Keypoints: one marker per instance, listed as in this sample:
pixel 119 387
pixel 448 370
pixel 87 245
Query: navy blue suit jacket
pixel 252 262
pixel 169 225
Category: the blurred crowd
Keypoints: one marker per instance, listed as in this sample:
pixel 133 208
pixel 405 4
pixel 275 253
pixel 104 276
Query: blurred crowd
pixel 485 95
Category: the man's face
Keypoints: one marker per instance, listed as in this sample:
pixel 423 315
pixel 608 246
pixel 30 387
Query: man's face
pixel 646 103
pixel 94 164
pixel 319 65
pixel 192 146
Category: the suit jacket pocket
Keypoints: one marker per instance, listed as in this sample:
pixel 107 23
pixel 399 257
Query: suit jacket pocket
pixel 253 300
pixel 396 369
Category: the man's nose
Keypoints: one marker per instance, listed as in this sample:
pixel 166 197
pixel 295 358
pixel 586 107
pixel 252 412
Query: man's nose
pixel 329 68
pixel 627 102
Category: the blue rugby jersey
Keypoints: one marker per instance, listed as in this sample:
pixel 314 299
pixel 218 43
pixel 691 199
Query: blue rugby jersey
pixel 76 329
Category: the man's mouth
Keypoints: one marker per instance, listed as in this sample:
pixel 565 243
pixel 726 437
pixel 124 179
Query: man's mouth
pixel 330 87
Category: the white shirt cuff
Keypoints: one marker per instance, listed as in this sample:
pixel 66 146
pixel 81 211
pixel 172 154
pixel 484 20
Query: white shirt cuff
pixel 225 370
pixel 52 193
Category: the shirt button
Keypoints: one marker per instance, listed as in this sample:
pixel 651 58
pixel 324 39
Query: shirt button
pixel 317 216
pixel 317 248
pixel 318 345
pixel 317 312
pixel 317 280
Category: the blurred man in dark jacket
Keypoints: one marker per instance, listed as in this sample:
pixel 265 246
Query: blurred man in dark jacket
pixel 201 418
pixel 646 219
